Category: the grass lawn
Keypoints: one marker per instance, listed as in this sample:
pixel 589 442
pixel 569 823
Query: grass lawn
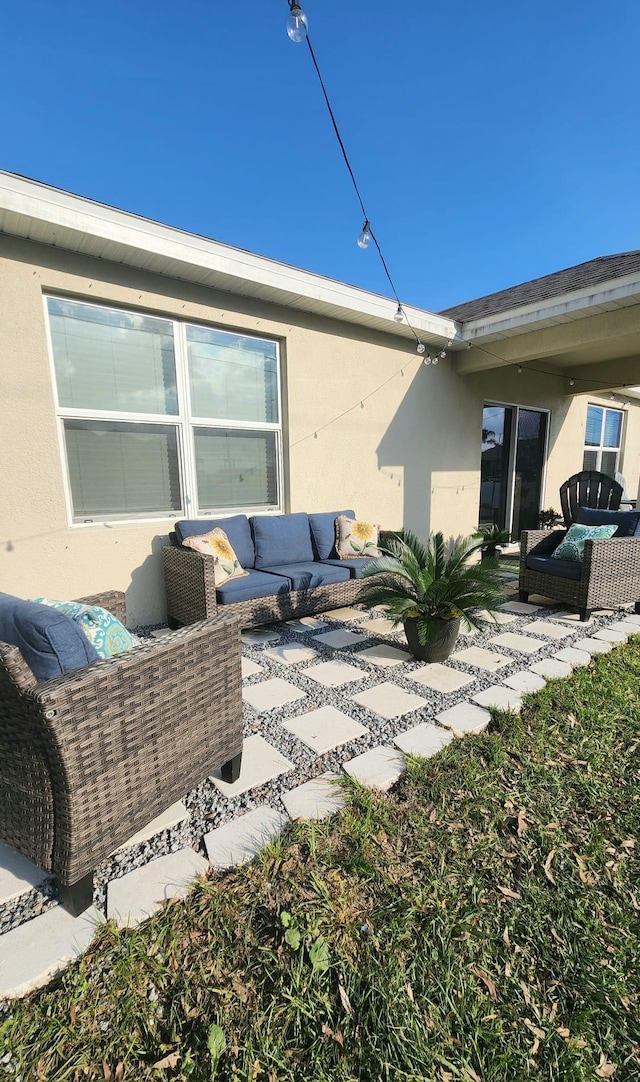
pixel 482 921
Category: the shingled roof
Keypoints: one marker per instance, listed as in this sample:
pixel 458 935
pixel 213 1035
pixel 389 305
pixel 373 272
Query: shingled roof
pixel 596 271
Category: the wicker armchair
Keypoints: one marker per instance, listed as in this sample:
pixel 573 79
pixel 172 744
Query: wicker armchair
pixel 610 572
pixel 89 758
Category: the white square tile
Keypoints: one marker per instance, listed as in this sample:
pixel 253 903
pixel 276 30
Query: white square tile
pixel 319 798
pixel 17 874
pixel 306 623
pixel 525 682
pixel 290 653
pixel 572 618
pixel 241 840
pixel 385 656
pixel 138 894
pixel 324 728
pixel 333 674
pixel 626 626
pixel 504 698
pixel 464 718
pixel 633 618
pixel 592 646
pixel 607 634
pixel 573 657
pixel 493 618
pixel 339 638
pixel 270 694
pixel 523 644
pixel 425 739
pixel 177 813
pixel 389 701
pixel 256 637
pixel 260 763
pixel 479 658
pixel 521 607
pixel 346 614
pixel 379 768
pixel 440 677
pixel 549 630
pixel 380 626
pixel 249 668
pixel 34 952
pixel 551 668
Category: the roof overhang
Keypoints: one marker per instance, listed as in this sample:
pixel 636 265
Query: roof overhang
pixel 50 216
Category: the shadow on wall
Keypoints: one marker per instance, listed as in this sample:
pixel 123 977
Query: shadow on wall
pixel 436 431
pixel 146 603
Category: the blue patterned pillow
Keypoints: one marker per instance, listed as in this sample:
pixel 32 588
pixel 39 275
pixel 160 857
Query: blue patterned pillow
pixel 572 548
pixel 106 634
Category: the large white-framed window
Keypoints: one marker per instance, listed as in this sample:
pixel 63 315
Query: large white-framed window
pixel 161 417
pixel 603 440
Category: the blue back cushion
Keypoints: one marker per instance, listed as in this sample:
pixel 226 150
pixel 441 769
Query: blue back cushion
pixel 628 522
pixel 50 642
pixel 236 527
pixel 281 539
pixel 323 532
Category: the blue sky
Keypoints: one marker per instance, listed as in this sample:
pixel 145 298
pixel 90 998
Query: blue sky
pixel 492 142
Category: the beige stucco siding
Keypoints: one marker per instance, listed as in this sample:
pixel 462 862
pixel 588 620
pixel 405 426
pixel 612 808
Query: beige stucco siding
pixel 409 453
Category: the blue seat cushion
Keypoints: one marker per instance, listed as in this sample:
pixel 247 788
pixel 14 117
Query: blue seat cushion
pixel 255 584
pixel 547 565
pixel 236 527
pixel 628 522
pixel 355 567
pixel 281 539
pixel 305 576
pixel 323 532
pixel 50 642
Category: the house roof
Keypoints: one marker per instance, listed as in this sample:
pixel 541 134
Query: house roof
pixel 51 216
pixel 594 272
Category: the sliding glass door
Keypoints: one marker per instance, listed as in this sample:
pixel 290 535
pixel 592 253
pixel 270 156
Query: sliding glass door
pixel 512 466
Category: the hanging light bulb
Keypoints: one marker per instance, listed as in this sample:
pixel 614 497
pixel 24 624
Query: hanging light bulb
pixel 572 382
pixel 434 360
pixel 297 22
pixel 364 240
pixel 428 359
pixel 519 369
pixel 399 316
pixel 443 355
pixel 421 347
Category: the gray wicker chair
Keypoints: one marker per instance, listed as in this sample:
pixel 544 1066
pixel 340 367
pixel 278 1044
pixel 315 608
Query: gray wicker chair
pixel 609 575
pixel 89 758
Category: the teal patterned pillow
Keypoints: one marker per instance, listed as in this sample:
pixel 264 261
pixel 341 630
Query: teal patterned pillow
pixel 107 634
pixel 572 548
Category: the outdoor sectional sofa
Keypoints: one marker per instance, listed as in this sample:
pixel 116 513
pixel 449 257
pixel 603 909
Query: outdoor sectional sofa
pixel 292 563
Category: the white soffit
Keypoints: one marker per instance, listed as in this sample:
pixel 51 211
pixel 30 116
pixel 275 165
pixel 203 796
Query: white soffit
pixel 50 216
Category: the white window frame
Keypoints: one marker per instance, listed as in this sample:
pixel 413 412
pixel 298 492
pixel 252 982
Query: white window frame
pixel 184 421
pixel 600 447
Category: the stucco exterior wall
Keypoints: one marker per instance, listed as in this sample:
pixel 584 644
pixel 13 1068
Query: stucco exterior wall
pixel 409 453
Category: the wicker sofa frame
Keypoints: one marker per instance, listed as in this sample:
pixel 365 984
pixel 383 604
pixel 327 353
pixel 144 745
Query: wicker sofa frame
pixel 191 593
pixel 610 572
pixel 89 758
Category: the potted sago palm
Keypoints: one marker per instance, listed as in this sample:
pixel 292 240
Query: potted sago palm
pixel 431 589
pixel 491 537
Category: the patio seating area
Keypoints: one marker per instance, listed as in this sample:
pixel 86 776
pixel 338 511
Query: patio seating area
pixel 325 695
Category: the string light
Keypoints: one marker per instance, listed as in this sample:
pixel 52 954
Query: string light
pixel 428 359
pixel 519 369
pixel 572 382
pixel 297 27
pixel 399 316
pixel 364 240
pixel 420 348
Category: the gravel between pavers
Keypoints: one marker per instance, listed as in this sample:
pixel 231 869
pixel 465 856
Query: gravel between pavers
pixel 208 808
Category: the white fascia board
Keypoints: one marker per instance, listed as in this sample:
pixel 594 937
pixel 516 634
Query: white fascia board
pixel 568 304
pixel 62 210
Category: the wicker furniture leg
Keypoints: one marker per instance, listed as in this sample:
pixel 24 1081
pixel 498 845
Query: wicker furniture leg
pixel 230 770
pixel 77 897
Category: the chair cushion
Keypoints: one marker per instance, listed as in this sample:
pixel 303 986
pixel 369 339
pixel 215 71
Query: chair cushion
pixel 572 548
pixel 236 527
pixel 281 539
pixel 323 532
pixel 104 631
pixel 548 565
pixel 252 585
pixel 226 564
pixel 356 538
pixel 50 643
pixel 627 522
pixel 355 567
pixel 305 576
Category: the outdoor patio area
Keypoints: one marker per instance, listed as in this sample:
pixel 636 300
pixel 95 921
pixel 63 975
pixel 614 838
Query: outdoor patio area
pixel 322 696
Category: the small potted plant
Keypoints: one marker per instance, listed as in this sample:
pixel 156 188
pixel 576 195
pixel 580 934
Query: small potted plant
pixel 430 589
pixel 548 519
pixel 491 536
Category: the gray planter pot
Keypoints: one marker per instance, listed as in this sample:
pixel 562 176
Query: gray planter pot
pixel 439 645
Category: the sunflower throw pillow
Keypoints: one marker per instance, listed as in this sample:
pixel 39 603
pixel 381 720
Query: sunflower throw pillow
pixel 572 548
pixel 355 539
pixel 216 543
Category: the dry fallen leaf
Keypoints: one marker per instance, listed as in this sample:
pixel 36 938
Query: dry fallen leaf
pixel 537 1032
pixel 563 1031
pixel 522 823
pixel 119 1072
pixel 169 1061
pixel 511 894
pixel 547 866
pixel 106 1070
pixel 605 1069
pixel 486 980
pixel 344 999
pixel 470 1073
pixel 334 1034
pixel 409 990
